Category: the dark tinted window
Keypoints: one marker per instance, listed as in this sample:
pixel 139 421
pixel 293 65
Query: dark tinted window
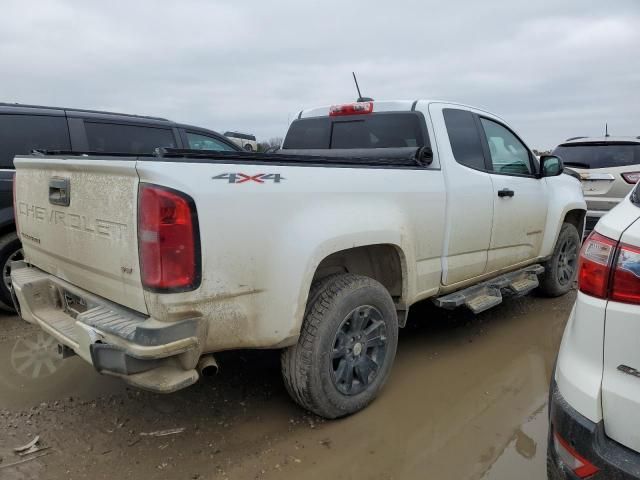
pixel 386 130
pixel 596 155
pixel 464 138
pixel 378 131
pixel 308 133
pixel 117 138
pixel 19 134
pixel 198 141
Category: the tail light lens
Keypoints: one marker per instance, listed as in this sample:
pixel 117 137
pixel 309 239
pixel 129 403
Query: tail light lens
pixel 626 276
pixel 358 108
pixel 595 265
pixel 572 459
pixel 631 177
pixel 608 270
pixel 168 238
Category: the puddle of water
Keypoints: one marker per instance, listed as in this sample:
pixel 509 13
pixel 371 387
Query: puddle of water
pixel 31 372
pixel 526 453
pixel 458 406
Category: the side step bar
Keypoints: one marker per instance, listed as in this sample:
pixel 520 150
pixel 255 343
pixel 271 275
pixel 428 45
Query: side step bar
pixel 483 296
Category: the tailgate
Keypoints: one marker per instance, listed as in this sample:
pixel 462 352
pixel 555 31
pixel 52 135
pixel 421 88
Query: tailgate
pixel 77 221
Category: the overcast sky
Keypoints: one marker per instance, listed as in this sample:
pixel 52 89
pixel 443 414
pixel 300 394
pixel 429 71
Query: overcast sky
pixel 552 68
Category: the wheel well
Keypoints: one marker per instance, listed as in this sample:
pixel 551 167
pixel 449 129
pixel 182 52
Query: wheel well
pixel 381 262
pixel 577 219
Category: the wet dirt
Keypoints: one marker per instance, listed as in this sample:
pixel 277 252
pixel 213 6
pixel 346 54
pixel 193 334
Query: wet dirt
pixel 466 400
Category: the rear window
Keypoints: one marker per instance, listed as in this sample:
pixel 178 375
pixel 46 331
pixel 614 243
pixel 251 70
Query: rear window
pixel 119 138
pixel 19 134
pixel 386 130
pixel 599 155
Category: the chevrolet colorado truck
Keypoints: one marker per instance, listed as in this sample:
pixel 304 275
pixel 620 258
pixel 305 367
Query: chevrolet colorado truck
pixel 146 266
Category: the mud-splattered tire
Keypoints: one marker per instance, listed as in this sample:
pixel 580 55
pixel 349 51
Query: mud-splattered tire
pixel 346 348
pixel 10 250
pixel 560 270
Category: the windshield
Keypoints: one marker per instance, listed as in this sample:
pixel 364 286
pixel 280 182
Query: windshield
pixel 383 130
pixel 599 155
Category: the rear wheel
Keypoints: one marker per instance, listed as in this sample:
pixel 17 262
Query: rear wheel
pixel 248 147
pixel 10 251
pixel 561 269
pixel 346 347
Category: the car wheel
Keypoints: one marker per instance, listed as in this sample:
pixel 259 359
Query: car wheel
pixel 561 269
pixel 248 147
pixel 10 251
pixel 346 348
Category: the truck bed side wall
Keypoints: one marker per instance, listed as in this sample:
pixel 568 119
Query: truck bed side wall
pixel 261 242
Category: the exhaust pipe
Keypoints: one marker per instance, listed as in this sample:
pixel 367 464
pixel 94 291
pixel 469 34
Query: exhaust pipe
pixel 207 366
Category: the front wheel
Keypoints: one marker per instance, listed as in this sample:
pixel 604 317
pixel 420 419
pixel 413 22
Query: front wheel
pixel 346 347
pixel 561 269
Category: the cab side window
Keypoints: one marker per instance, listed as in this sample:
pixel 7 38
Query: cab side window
pixel 198 141
pixel 19 134
pixel 121 138
pixel 508 154
pixel 464 138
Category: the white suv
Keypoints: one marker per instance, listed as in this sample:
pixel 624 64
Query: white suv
pixel 595 392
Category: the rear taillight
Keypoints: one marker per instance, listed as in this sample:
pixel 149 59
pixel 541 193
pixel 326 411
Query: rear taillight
pixel 358 108
pixel 579 465
pixel 595 265
pixel 625 286
pixel 631 177
pixel 609 270
pixel 168 238
pixel 15 206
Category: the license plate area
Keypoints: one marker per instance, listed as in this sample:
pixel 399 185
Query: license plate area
pixel 73 304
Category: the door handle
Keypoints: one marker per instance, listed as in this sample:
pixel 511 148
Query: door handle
pixel 505 192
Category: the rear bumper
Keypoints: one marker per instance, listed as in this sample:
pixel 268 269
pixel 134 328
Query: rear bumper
pixel 144 352
pixel 589 440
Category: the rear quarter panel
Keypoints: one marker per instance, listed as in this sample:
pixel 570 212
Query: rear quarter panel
pixel 261 242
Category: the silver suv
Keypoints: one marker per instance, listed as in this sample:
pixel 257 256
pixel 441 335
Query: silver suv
pixel 608 167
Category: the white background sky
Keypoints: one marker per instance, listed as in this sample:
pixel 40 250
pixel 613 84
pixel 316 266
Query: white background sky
pixel 552 68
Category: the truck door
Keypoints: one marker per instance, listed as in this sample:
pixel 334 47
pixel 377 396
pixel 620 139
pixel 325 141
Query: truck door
pixel 519 197
pixel 469 211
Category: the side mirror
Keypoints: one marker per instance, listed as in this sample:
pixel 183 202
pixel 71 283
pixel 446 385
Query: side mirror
pixel 550 166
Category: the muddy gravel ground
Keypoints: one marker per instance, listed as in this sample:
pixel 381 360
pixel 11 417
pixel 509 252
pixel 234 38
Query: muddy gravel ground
pixel 466 400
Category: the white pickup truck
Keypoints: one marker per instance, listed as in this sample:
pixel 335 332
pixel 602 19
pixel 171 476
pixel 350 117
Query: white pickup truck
pixel 146 266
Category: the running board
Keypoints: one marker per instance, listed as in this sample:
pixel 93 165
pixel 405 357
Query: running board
pixel 483 296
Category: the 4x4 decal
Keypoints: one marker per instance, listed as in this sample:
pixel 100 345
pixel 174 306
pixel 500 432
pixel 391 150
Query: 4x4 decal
pixel 242 177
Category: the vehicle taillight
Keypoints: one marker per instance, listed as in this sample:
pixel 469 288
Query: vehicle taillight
pixel 631 177
pixel 358 108
pixel 579 465
pixel 168 239
pixel 594 268
pixel 625 286
pixel 15 206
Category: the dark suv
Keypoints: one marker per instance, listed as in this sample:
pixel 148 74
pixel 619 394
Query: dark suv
pixel 27 127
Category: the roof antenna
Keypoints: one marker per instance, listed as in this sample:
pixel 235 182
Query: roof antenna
pixel 360 97
pixel 606 130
